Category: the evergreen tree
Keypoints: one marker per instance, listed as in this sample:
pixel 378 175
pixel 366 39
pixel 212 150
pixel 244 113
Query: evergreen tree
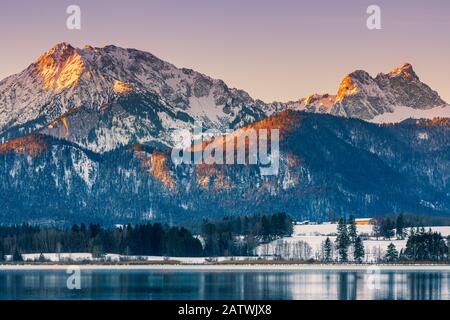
pixel 342 241
pixel 448 248
pixel 391 253
pixel 401 255
pixel 400 225
pixel 2 250
pixel 387 228
pixel 42 258
pixel 328 250
pixel 17 257
pixel 376 227
pixel 358 253
pixel 426 246
pixel 352 232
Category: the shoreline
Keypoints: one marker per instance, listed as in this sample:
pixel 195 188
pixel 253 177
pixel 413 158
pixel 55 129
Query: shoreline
pixel 226 267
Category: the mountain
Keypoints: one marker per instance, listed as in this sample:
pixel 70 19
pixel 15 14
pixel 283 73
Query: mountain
pixel 87 135
pixel 364 97
pixel 110 97
pixel 103 98
pixel 390 97
pixel 329 166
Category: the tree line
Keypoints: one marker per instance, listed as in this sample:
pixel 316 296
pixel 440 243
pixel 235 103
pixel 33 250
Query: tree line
pixel 397 225
pixel 145 239
pixel 421 245
pixel 226 237
pixel 239 236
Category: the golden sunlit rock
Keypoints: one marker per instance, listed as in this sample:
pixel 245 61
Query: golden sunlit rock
pixel 160 170
pixel 405 70
pixel 60 68
pixel 156 164
pixel 121 87
pixel 346 88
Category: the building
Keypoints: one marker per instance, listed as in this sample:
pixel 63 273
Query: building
pixel 363 221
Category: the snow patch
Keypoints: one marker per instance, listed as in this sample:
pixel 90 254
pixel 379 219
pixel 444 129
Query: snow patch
pixel 403 113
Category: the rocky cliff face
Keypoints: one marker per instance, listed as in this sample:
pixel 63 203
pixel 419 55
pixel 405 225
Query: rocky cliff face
pixel 391 97
pixel 361 96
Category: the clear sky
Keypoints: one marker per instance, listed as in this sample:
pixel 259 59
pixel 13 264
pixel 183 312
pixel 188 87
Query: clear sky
pixel 275 50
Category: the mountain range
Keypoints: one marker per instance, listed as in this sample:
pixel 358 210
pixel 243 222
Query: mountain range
pixel 86 135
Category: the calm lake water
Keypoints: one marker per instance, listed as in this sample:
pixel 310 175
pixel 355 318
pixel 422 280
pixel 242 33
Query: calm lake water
pixel 176 284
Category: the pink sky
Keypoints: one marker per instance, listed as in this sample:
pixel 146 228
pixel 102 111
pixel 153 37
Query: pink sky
pixel 275 50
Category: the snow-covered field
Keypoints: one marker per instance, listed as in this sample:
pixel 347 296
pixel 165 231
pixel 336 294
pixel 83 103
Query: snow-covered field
pixel 307 241
pixel 80 257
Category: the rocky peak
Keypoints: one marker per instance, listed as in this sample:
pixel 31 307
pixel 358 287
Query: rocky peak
pixel 406 71
pixel 59 68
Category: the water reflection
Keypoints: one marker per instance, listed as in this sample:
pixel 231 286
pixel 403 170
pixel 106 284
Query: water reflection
pixel 133 284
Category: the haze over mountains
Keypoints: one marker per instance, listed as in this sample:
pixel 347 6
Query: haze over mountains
pixel 87 131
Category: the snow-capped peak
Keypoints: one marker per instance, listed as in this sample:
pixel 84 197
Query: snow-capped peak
pixel 102 98
pixel 362 96
pixel 67 82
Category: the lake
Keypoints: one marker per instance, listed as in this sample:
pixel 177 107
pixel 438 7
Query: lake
pixel 234 285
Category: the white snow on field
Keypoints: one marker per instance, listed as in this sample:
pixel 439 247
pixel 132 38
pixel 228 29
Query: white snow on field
pixel 58 257
pixel 445 231
pixel 307 241
pixel 112 257
pixel 326 229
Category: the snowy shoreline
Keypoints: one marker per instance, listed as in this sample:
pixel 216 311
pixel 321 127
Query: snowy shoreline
pixel 231 267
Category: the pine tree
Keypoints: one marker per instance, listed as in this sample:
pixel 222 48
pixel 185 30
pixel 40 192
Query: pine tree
pixel 2 250
pixel 401 255
pixel 387 228
pixel 376 227
pixel 42 258
pixel 391 253
pixel 327 248
pixel 426 246
pixel 359 252
pixel 448 248
pixel 352 233
pixel 342 241
pixel 17 257
pixel 400 225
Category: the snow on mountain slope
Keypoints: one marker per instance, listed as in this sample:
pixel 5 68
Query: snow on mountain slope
pixel 402 113
pixel 69 89
pixel 391 97
pixel 361 96
pixel 105 98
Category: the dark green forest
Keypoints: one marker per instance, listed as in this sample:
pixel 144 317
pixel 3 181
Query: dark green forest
pixel 230 236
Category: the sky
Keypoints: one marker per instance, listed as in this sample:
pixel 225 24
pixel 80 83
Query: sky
pixel 275 50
